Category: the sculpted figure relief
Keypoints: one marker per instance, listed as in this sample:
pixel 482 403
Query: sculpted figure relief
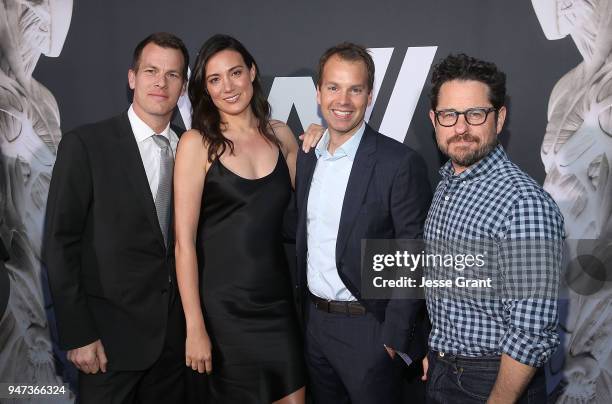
pixel 29 135
pixel 577 155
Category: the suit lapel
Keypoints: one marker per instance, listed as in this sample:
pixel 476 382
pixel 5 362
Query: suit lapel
pixel 310 162
pixel 362 170
pixel 306 166
pixel 129 157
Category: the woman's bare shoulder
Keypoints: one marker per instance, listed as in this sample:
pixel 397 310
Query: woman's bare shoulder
pixel 276 124
pixel 282 131
pixel 194 138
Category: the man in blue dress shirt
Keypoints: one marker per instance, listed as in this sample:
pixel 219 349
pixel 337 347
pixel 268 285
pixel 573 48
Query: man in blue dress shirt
pixel 357 184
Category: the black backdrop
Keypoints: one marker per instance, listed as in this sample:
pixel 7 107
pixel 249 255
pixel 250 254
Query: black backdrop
pixel 286 38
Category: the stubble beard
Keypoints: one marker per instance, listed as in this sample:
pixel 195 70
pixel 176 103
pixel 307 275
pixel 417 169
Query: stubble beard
pixel 470 156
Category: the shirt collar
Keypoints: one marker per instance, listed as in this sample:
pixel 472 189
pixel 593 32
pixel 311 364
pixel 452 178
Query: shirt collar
pixel 141 130
pixel 348 148
pixel 481 168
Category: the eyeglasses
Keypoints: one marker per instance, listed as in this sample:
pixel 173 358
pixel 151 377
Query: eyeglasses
pixel 473 116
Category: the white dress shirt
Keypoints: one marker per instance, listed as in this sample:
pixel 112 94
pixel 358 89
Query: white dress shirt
pixel 150 152
pixel 325 200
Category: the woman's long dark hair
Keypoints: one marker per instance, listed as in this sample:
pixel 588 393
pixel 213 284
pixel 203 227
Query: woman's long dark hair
pixel 206 117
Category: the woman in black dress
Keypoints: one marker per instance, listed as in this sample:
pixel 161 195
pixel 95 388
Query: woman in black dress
pixel 233 176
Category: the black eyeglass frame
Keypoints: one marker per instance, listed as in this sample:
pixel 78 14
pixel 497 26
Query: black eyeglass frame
pixel 487 111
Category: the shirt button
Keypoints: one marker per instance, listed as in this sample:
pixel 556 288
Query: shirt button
pixel 446 198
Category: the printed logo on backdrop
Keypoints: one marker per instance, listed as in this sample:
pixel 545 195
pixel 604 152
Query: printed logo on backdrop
pixel 300 93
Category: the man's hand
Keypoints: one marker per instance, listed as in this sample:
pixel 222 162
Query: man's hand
pixel 512 379
pixel 390 351
pixel 89 358
pixel 313 134
pixel 425 368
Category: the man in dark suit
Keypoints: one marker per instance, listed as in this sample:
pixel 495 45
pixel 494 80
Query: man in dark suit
pixel 109 244
pixel 357 184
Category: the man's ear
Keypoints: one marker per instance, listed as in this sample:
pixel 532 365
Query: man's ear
pixel 432 117
pixel 132 78
pixel 501 118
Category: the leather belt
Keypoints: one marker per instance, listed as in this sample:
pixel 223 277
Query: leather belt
pixel 335 306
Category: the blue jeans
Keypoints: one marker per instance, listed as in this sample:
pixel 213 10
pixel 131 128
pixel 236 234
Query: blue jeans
pixel 460 379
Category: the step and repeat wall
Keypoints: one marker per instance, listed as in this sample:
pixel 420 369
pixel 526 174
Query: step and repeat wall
pixel 63 64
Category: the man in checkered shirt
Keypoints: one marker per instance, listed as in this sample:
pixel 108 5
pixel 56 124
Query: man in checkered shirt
pixel 489 350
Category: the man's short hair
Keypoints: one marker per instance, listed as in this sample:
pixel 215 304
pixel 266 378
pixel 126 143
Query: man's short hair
pixel 164 40
pixel 350 52
pixel 464 67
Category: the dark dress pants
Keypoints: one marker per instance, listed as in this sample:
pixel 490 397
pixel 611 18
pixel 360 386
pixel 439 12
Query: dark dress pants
pixel 163 382
pixel 347 361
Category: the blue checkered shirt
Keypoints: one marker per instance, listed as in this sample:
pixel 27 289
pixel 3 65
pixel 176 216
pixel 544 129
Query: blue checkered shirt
pixel 495 201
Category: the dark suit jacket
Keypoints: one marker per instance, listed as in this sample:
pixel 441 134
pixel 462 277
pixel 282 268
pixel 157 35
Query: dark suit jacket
pixel 108 265
pixel 387 196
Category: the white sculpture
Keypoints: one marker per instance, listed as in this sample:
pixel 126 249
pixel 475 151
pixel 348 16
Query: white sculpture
pixel 577 155
pixel 29 136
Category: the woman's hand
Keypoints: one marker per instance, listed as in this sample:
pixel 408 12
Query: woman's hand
pixel 313 134
pixel 198 349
